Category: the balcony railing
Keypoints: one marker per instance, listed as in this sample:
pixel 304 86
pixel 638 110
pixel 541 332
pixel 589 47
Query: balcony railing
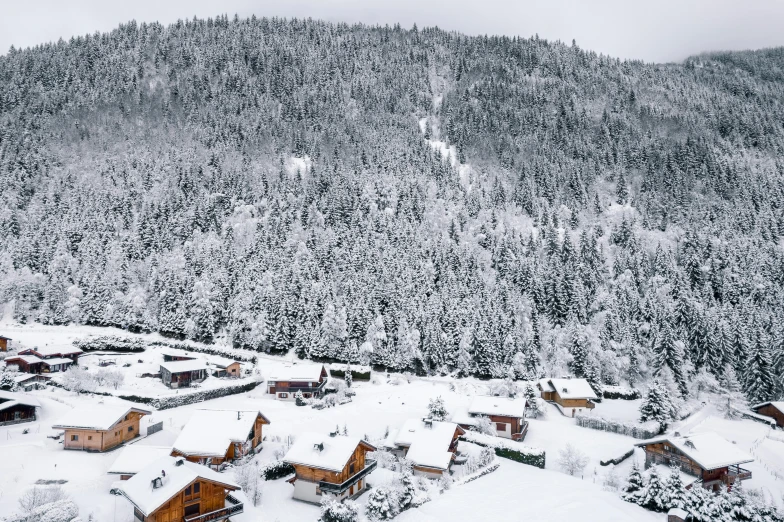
pixel 223 513
pixel 523 432
pixel 338 489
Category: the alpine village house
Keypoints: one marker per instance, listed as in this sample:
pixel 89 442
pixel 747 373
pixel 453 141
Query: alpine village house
pixel 713 460
pixel 101 427
pixel 217 437
pixel 182 373
pixel 569 395
pixel 16 408
pixel 174 490
pixel 507 415
pixel 309 379
pixel 44 360
pixel 329 465
pixel 774 410
pixel 430 445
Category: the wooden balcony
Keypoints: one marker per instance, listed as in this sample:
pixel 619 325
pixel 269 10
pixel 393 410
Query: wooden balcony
pixel 521 436
pixel 232 507
pixel 338 489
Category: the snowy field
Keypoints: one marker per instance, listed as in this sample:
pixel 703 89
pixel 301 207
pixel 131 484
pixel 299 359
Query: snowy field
pixel 379 406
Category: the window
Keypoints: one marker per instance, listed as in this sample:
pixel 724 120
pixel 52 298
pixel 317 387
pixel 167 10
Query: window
pixel 74 437
pixel 130 429
pixel 138 515
pixel 283 395
pixel 500 426
pixel 306 395
pixel 191 510
pixel 89 437
pixel 197 488
pixel 188 491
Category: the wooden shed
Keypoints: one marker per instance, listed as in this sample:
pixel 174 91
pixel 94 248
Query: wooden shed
pixel 16 408
pixel 4 343
pixel 773 409
pixel 181 374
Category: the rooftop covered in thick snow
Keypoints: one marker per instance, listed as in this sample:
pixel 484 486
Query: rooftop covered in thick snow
pixel 192 365
pixel 209 433
pixel 9 399
pixel 175 473
pixel 569 388
pixel 428 441
pixel 96 417
pixel 500 406
pixel 324 451
pixel 298 373
pixel 135 457
pixel 708 449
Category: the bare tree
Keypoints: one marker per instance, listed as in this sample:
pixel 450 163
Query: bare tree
pixel 572 460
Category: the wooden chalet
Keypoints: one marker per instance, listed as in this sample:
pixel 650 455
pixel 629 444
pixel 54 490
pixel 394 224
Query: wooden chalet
pixel 4 343
pixel 310 379
pixel 133 458
pixel 100 427
pixel 713 460
pixel 226 368
pixel 329 465
pixel 506 413
pixel 16 408
pixel 44 360
pixel 773 409
pixel 217 437
pixel 181 374
pixel 174 490
pixel 570 395
pixel 31 381
pixel 429 445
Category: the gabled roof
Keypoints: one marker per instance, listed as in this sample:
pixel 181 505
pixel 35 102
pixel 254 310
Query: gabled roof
pixel 223 362
pixel 98 417
pixel 48 351
pixel 10 399
pixel 428 446
pixel 135 457
pixel 29 359
pixel 707 449
pixel 140 492
pixel 779 405
pixel 57 360
pixel 501 406
pixel 31 376
pixel 209 433
pixel 4 338
pixel 184 366
pixel 298 372
pixel 323 451
pixel 571 388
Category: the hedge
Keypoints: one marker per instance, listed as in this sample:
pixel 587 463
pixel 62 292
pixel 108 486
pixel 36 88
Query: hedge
pixel 358 373
pixel 619 392
pixel 507 449
pixel 223 352
pixel 276 470
pixel 617 460
pixel 110 343
pixel 643 431
pixel 165 403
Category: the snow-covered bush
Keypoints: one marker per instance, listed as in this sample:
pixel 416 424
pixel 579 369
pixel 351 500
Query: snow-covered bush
pixel 110 343
pixel 507 449
pixel 611 481
pixel 484 425
pixel 277 469
pixel 113 378
pixel 476 462
pixel 8 377
pixel 63 510
pixel 335 511
pixel 39 496
pixel 437 409
pixel 572 460
pixel 182 399
pixel 620 392
pixel 642 431
pixel 299 399
pixel 381 504
pixel 79 380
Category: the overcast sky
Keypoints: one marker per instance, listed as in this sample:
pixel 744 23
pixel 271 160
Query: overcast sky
pixel 651 30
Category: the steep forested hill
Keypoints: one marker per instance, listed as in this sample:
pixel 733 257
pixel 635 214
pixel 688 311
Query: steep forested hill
pixel 432 201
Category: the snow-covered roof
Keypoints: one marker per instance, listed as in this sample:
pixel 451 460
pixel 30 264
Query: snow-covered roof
pixel 209 433
pixel 298 372
pixel 501 406
pixel 57 360
pixel 184 366
pixel 98 417
pixel 779 405
pixel 428 445
pixel 678 512
pixel 139 488
pixel 47 351
pixel 9 399
pixel 318 450
pixel 223 362
pixel 708 449
pixel 29 359
pixel 31 376
pixel 572 388
pixel 136 457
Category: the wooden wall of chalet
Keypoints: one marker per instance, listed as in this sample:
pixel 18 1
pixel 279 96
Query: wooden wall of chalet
pixel 572 403
pixel 24 413
pixel 211 496
pixel 516 422
pixel 656 454
pixel 100 440
pixel 3 344
pixel 317 475
pixel 771 411
pixel 230 451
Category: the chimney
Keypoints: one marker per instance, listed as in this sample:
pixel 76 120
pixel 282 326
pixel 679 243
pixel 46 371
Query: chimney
pixel 179 461
pixel 319 446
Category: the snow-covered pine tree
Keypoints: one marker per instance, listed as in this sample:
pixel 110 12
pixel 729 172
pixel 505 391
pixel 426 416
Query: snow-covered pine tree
pixel 653 496
pixel 633 489
pixel 657 405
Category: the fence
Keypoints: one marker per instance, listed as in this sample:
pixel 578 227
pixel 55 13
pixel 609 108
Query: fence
pixel 154 428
